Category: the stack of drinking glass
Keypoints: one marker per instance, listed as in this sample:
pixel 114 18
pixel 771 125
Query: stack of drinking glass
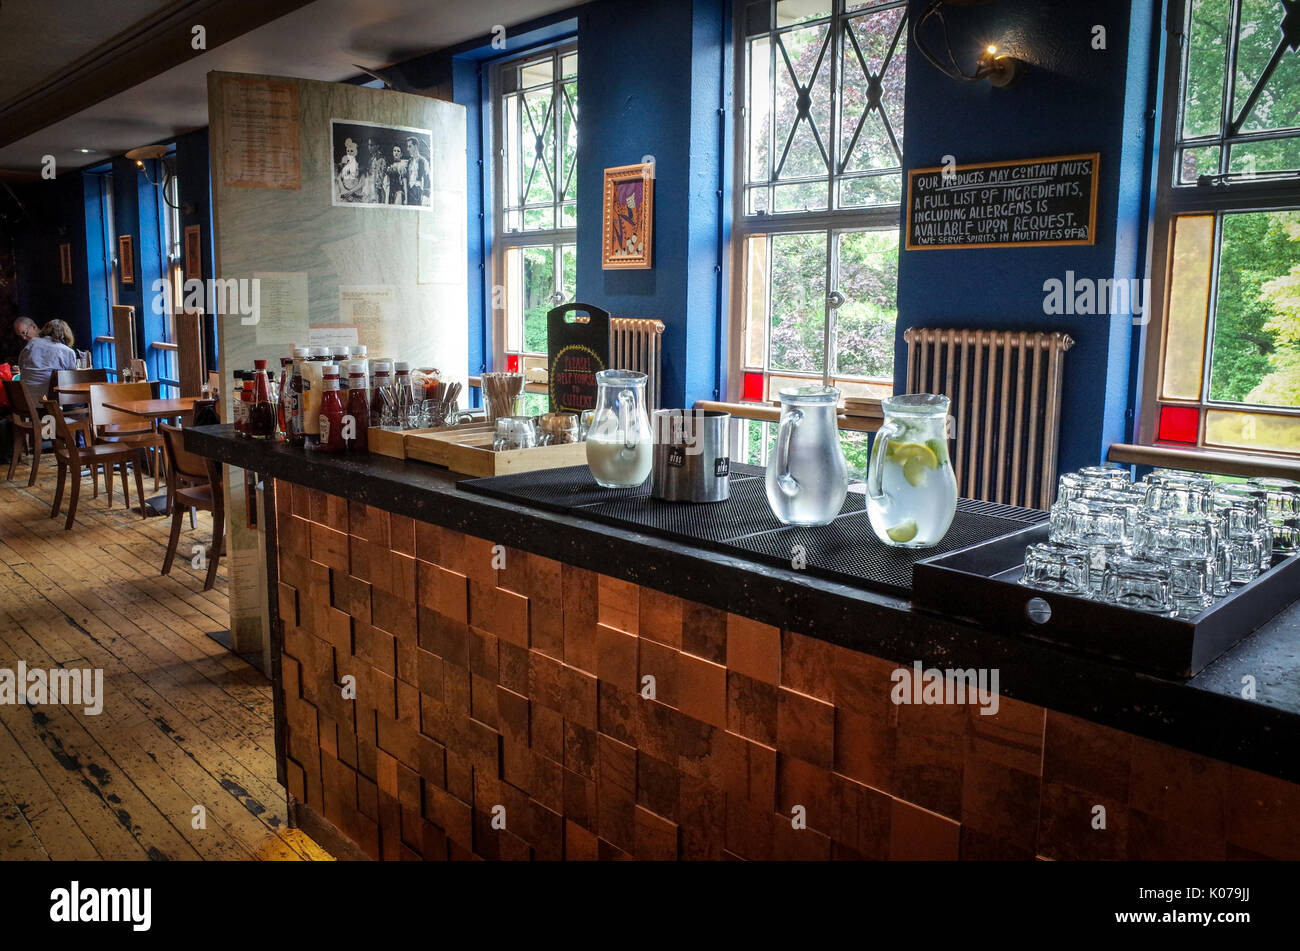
pixel 1172 544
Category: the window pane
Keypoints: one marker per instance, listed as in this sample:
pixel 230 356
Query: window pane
pixel 1207 42
pixel 539 285
pixel 755 301
pixel 1189 295
pixel 570 66
pixel 1278 104
pixel 536 74
pixel 870 190
pixel 1256 352
pixel 569 142
pixel 1197 162
pixel 758 110
pixel 803 123
pixel 1252 431
pixel 865 140
pixel 569 282
pixel 514 299
pixel 798 302
pixel 1277 155
pixel 864 324
pixel 800 11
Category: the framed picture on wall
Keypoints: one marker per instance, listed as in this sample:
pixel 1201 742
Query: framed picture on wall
pixel 628 212
pixel 376 166
pixel 65 263
pixel 125 259
pixel 193 254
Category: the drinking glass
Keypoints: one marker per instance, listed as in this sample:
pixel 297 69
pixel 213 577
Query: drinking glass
pixel 1138 584
pixel 1087 522
pixel 1053 567
pixel 1283 497
pixel 1165 532
pixel 1112 476
pixel 1178 493
pixel 1192 583
pixel 514 432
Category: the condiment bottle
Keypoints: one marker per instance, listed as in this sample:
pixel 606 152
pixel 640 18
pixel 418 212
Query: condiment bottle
pixel 382 379
pixel 281 391
pixel 339 357
pixel 293 411
pixel 246 400
pixel 237 402
pixel 403 391
pixel 311 392
pixel 358 407
pixel 357 354
pixel 261 409
pixel 330 424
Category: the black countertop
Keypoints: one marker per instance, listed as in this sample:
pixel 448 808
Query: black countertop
pixel 1206 714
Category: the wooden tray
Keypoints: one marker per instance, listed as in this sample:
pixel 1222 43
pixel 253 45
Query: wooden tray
pixel 468 449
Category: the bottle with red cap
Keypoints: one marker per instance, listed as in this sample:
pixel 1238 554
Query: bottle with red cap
pixel 358 408
pixel 261 410
pixel 330 438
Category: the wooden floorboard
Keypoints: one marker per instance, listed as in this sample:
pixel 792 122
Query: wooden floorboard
pixel 185 723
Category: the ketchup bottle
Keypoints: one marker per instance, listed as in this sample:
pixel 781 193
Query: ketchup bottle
pixel 331 412
pixel 358 406
pixel 261 411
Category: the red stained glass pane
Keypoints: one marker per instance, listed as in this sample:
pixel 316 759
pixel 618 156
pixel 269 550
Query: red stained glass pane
pixel 1179 424
pixel 753 388
pixel 512 363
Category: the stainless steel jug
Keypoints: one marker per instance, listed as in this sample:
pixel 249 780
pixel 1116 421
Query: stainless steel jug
pixel 692 460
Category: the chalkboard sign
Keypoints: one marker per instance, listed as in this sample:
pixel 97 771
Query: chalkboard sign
pixel 1021 203
pixel 577 349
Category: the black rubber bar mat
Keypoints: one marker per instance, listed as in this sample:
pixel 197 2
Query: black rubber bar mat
pixel 572 487
pixel 848 551
pixel 745 513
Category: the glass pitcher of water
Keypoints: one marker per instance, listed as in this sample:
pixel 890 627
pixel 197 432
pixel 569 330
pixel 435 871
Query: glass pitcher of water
pixel 619 449
pixel 807 477
pixel 911 489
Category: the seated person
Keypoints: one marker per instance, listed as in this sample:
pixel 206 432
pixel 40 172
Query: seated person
pixel 50 351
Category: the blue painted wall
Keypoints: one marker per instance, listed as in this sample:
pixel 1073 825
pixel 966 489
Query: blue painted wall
pixel 1072 99
pixel 661 98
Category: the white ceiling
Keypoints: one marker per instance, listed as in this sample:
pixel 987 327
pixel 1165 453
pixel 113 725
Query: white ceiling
pixel 319 41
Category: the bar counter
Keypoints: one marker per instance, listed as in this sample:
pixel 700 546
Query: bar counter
pixel 498 712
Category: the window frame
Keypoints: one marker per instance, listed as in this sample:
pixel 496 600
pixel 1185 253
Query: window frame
pixel 1217 195
pixel 831 221
pixel 502 240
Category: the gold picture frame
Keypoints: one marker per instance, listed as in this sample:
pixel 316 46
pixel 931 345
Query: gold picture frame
pixel 125 259
pixel 627 234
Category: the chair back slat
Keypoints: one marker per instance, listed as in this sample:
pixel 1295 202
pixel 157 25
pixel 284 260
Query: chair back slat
pixel 60 378
pixel 190 466
pixel 63 437
pixel 16 391
pixel 102 416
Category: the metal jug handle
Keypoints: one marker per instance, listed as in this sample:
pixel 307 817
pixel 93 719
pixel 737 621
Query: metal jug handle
pixel 875 486
pixel 787 483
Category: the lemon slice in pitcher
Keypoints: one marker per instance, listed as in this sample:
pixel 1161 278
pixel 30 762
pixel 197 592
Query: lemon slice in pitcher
pixel 915 458
pixel 903 532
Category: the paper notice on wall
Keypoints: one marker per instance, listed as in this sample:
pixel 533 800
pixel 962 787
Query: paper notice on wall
pixel 282 309
pixel 332 337
pixel 440 249
pixel 261 147
pixel 371 309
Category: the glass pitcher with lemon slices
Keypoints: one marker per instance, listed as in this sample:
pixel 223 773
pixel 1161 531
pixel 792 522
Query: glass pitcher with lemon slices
pixel 911 489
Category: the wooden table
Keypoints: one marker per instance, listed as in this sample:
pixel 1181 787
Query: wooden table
pixel 154 409
pixel 77 389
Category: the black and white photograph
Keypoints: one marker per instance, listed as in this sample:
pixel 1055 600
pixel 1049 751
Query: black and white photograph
pixel 380 165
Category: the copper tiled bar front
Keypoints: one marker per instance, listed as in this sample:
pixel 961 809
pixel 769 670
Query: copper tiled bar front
pixel 496 711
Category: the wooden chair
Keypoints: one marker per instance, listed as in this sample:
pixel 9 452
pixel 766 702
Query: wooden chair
pixel 194 483
pixel 29 423
pixel 26 425
pixel 74 457
pixel 112 425
pixel 74 407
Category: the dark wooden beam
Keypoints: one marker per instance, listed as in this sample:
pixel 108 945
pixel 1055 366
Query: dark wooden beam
pixel 138 53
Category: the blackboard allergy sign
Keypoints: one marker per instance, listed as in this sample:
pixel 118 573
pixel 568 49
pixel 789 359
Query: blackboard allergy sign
pixel 1022 203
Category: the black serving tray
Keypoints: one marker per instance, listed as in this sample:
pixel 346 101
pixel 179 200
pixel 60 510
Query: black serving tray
pixel 981 584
